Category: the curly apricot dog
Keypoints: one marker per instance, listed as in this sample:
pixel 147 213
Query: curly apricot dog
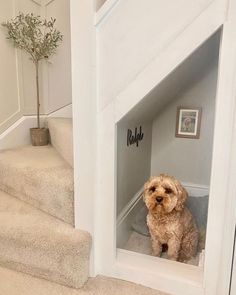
pixel 170 223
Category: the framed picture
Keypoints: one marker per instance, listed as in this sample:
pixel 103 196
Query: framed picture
pixel 188 122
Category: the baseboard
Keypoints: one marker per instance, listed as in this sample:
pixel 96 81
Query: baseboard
pixel 18 133
pixel 64 112
pixel 129 207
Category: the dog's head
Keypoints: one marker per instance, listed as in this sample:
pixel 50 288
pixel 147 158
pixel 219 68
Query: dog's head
pixel 163 194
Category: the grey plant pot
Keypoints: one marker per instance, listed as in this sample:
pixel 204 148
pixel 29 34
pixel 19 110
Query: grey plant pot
pixel 39 136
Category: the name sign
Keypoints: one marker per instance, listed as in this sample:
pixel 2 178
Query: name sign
pixel 136 137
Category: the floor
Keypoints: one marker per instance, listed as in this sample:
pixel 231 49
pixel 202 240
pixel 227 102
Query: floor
pixel 142 244
pixel 15 283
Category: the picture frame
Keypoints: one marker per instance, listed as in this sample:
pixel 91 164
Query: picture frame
pixel 188 122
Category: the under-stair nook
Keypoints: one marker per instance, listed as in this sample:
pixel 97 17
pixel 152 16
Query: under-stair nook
pixel 150 75
pixel 191 85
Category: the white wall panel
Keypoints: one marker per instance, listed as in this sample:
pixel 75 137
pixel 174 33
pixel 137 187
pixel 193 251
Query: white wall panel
pixel 9 84
pixel 28 68
pixel 17 72
pixel 134 33
pixel 59 69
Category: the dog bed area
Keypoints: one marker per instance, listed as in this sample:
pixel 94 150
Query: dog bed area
pixel 139 239
pixel 142 244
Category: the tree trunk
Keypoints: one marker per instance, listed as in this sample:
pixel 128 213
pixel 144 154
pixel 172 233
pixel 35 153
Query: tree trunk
pixel 37 89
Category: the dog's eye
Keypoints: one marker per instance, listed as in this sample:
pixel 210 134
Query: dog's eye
pixel 168 191
pixel 152 189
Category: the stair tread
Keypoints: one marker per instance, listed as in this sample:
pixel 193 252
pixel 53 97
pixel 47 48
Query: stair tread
pixel 15 283
pixel 36 243
pixel 40 177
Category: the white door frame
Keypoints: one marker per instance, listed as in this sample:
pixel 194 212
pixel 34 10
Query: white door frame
pixel 136 267
pixel 95 204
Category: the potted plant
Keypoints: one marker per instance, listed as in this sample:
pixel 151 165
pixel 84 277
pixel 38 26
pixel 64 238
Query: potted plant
pixel 39 39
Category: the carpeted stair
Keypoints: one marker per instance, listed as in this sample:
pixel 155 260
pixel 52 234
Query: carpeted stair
pixel 40 177
pixel 40 245
pixel 16 283
pixel 36 216
pixel 61 134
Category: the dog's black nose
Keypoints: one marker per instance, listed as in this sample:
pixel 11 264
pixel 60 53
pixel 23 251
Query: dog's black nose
pixel 159 199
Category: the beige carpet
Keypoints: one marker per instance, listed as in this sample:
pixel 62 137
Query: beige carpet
pixel 61 133
pixel 36 243
pixel 40 177
pixel 13 283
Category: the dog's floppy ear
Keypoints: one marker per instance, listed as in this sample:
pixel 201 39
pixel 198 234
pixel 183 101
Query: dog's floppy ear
pixel 182 196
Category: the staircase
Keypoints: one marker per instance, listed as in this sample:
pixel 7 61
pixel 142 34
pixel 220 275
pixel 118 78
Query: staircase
pixel 37 236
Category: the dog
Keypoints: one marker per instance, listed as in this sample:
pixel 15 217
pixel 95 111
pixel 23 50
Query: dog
pixel 170 223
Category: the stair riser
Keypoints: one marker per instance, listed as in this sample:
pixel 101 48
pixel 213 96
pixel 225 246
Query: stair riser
pixel 61 134
pixel 47 255
pixel 50 189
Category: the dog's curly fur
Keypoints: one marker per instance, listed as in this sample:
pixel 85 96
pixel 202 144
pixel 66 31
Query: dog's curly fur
pixel 170 223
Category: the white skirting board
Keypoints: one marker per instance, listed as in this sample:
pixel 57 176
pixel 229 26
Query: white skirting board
pixel 18 133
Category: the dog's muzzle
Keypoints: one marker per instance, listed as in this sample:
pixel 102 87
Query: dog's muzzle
pixel 159 199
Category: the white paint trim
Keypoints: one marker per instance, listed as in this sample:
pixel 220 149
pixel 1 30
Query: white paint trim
pixel 17 134
pixel 182 46
pixel 225 161
pixel 48 2
pixel 129 207
pixel 196 190
pixel 11 128
pixel 83 60
pixel 38 2
pixel 65 112
pixel 104 11
pixel 107 260
pixel 162 274
pixel 10 117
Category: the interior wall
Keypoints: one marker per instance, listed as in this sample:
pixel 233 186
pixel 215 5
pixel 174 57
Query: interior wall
pixel 17 73
pixel 57 81
pixel 135 33
pixel 133 163
pixel 187 159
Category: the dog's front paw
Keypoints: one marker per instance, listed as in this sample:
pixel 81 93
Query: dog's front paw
pixel 173 258
pixel 156 253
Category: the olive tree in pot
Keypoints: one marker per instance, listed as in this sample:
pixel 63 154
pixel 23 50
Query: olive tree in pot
pixel 39 39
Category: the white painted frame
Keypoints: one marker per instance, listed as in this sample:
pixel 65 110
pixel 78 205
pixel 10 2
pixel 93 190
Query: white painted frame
pixel 174 277
pixel 129 266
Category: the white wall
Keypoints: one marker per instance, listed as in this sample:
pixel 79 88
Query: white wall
pixel 233 278
pixel 133 35
pixel 83 54
pixel 187 159
pixel 133 163
pixel 10 103
pixel 57 82
pixel 17 73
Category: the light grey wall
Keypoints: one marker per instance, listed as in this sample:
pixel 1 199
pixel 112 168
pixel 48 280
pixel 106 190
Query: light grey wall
pixel 133 163
pixel 187 159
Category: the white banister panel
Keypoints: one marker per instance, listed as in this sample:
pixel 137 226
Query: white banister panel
pixel 133 33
